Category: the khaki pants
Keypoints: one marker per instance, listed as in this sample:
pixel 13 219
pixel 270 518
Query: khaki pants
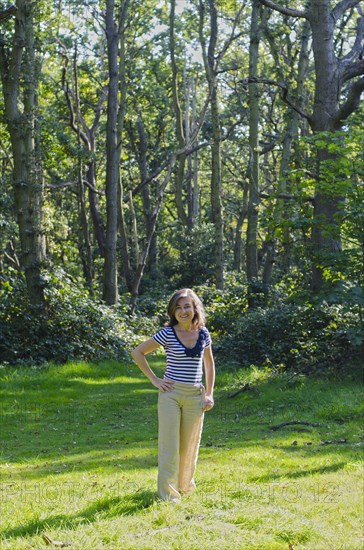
pixel 180 420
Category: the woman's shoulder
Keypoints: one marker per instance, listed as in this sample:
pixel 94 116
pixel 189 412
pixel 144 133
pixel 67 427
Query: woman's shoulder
pixel 205 334
pixel 166 331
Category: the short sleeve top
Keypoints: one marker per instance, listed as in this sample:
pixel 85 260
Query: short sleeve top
pixel 183 364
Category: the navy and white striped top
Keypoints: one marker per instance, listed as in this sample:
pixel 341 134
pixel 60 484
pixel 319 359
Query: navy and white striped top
pixel 183 364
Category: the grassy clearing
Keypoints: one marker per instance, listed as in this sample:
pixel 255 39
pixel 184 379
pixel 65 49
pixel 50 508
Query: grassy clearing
pixel 79 463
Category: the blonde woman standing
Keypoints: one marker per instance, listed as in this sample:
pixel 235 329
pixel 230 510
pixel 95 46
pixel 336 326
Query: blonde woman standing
pixel 182 398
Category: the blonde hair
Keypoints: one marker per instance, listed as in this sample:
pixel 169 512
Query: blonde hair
pixel 199 317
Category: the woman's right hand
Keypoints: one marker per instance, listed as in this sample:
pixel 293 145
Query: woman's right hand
pixel 163 384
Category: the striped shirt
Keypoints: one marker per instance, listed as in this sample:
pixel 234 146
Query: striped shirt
pixel 183 364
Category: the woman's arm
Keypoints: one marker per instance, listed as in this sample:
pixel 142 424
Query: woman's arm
pixel 139 353
pixel 209 364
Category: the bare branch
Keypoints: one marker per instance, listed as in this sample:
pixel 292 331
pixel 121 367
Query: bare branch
pixel 231 129
pixel 342 6
pixel 8 12
pixel 71 183
pixel 99 109
pixel 286 197
pixel 70 98
pixel 228 69
pixel 231 38
pixel 352 103
pixel 286 11
pixel 268 147
pixel 122 18
pixel 185 151
pixel 356 69
pixel 357 49
pixel 12 256
pixel 61 185
pixel 284 94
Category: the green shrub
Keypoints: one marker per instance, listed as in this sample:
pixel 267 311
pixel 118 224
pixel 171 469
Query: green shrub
pixel 74 326
pixel 310 338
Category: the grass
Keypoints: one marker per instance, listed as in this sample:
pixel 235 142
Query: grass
pixel 79 463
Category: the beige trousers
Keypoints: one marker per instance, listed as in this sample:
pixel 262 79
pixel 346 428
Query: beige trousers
pixel 180 420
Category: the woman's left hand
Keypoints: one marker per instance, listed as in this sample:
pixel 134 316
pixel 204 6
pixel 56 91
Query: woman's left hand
pixel 209 402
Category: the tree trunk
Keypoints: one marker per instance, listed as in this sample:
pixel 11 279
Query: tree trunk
pixel 188 89
pixel 110 280
pixel 194 206
pixel 85 243
pixel 239 225
pixel 84 240
pixel 216 205
pixel 179 120
pixel 19 73
pixel 147 204
pixel 97 219
pixel 253 202
pixel 211 73
pixel 326 231
pixel 119 134
pixel 134 232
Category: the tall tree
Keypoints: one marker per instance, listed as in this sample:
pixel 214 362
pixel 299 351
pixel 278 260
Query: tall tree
pixel 290 134
pixel 87 134
pixel 180 133
pixel 211 67
pixel 114 28
pixel 253 201
pixel 119 138
pixel 19 75
pixel 335 78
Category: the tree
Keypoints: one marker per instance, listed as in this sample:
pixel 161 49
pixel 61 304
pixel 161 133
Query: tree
pixel 335 78
pixel 211 61
pixel 86 134
pixel 114 29
pixel 19 74
pixel 253 202
pixel 290 136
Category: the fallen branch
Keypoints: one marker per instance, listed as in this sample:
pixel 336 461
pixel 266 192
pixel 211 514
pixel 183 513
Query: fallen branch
pixel 293 422
pixel 52 542
pixel 246 387
pixel 334 442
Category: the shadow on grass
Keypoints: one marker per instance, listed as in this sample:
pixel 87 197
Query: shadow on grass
pixel 296 474
pixel 86 417
pixel 73 416
pixel 103 508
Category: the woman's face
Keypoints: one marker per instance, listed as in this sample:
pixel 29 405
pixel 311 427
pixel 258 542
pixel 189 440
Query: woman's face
pixel 184 310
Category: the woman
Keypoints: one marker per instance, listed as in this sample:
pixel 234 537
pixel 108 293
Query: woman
pixel 182 398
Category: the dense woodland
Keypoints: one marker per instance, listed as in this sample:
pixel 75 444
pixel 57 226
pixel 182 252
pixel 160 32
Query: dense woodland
pixel 149 145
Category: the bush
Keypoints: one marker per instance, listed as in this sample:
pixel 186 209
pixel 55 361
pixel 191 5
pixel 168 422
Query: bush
pixel 74 326
pixel 294 329
pixel 310 338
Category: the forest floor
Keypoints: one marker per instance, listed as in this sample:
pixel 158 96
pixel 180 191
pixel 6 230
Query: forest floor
pixel 79 463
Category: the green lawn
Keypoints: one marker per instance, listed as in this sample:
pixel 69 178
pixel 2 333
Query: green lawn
pixel 79 463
